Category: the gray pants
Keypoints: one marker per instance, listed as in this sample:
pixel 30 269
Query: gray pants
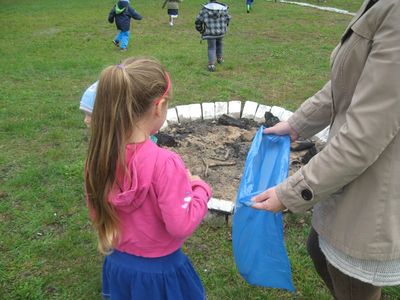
pixel 215 49
pixel 341 286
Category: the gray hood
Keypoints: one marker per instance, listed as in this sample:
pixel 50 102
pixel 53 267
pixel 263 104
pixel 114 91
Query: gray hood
pixel 216 6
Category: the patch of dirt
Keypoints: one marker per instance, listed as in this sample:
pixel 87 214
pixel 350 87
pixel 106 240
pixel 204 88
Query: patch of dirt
pixel 217 152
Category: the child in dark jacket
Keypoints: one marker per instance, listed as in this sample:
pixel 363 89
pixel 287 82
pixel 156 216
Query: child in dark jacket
pixel 122 12
pixel 212 23
pixel 249 5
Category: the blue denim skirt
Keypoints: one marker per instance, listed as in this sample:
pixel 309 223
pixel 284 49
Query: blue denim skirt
pixel 170 277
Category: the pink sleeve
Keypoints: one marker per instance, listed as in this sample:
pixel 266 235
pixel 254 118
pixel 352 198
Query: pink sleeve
pixel 183 204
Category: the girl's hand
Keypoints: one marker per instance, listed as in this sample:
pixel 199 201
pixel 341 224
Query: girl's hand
pixel 193 177
pixel 268 200
pixel 282 128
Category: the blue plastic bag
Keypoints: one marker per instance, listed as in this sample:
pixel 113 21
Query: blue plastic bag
pixel 258 243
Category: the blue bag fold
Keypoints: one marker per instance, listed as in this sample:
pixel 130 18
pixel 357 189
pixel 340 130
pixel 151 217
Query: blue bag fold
pixel 257 236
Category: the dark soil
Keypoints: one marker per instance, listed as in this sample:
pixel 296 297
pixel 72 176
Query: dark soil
pixel 217 152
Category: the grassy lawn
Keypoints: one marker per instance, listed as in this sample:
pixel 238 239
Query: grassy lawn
pixel 50 51
pixel 351 6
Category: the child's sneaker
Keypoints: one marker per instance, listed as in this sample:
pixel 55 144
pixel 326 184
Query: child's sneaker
pixel 116 43
pixel 123 49
pixel 220 60
pixel 211 68
pixel 171 24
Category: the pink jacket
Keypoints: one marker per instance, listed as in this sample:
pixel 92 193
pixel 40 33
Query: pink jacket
pixel 158 206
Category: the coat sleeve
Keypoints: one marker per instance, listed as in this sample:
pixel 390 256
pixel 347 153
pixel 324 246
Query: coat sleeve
pixel 199 22
pixel 314 114
pixel 111 15
pixel 228 19
pixel 183 204
pixel 134 14
pixel 372 121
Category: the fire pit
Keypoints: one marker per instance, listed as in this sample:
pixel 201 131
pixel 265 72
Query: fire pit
pixel 214 143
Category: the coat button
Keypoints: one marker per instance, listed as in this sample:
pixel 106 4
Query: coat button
pixel 306 194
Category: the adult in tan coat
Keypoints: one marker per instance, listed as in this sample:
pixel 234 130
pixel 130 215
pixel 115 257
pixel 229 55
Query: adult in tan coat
pixel 353 184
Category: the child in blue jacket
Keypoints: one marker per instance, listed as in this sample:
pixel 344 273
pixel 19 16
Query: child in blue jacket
pixel 249 5
pixel 122 12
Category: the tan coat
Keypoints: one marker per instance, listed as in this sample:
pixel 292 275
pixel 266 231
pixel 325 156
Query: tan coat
pixel 354 182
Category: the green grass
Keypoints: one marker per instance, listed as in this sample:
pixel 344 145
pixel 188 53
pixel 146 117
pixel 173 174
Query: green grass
pixel 50 51
pixel 351 6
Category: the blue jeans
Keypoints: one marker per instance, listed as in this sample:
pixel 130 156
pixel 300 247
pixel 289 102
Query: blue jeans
pixel 123 39
pixel 215 49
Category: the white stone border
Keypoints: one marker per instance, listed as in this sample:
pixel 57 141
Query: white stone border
pixel 213 110
pixel 326 8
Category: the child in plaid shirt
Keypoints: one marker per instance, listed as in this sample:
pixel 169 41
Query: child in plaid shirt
pixel 212 23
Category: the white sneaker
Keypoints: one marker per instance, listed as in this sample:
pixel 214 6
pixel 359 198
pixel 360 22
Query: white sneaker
pixel 171 24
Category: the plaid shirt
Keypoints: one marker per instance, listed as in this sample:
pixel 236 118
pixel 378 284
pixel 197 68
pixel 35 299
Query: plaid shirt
pixel 213 20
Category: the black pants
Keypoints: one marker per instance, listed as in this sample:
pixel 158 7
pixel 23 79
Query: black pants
pixel 341 286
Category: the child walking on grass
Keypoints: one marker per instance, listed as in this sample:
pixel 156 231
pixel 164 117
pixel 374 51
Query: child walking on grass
pixel 212 23
pixel 122 13
pixel 142 200
pixel 172 10
pixel 249 5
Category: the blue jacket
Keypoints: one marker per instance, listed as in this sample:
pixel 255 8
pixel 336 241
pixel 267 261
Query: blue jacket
pixel 122 12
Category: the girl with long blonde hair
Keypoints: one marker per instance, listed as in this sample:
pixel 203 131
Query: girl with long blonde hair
pixel 142 200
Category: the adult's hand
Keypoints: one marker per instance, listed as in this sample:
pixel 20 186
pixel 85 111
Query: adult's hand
pixel 268 200
pixel 282 128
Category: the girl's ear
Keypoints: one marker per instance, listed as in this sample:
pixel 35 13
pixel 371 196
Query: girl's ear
pixel 160 106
